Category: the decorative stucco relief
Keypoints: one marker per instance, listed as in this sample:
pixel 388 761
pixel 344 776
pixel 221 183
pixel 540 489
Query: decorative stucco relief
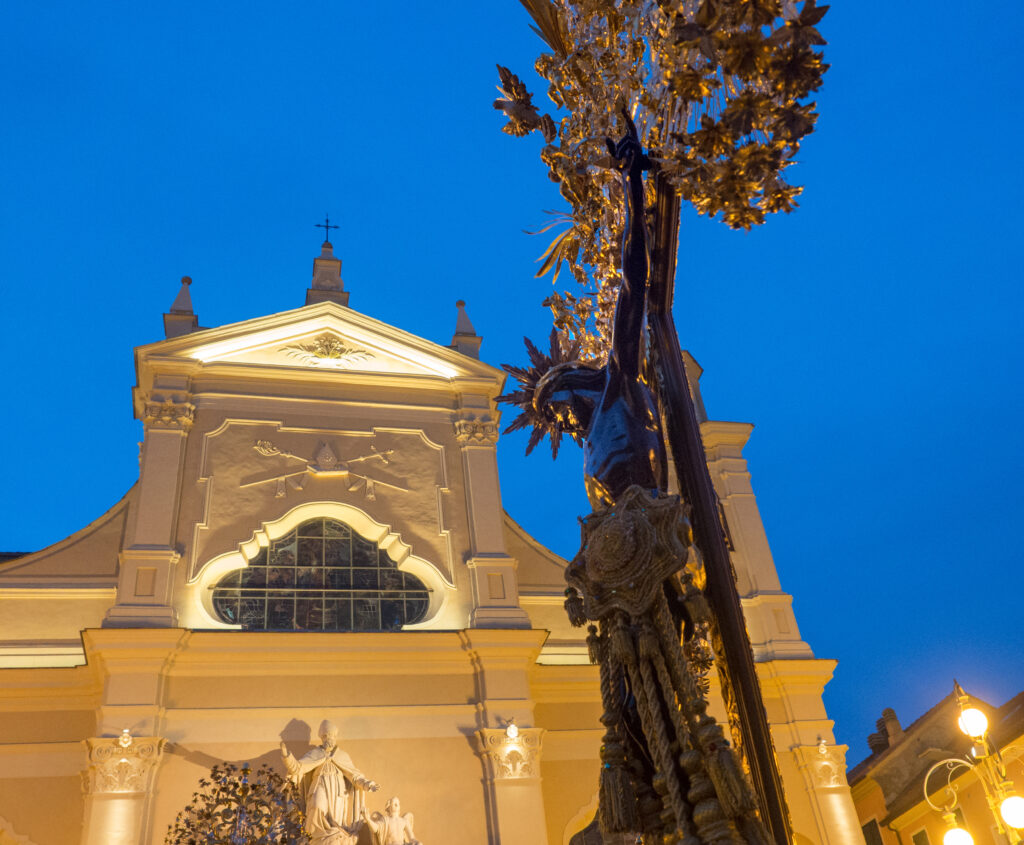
pixel 476 429
pixel 511 753
pixel 824 765
pixel 168 412
pixel 121 764
pixel 251 473
pixel 325 464
pixel 327 351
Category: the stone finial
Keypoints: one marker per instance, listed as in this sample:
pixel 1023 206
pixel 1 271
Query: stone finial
pixel 327 285
pixel 181 319
pixel 465 339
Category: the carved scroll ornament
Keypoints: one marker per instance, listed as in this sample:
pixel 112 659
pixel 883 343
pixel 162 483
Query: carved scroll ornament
pixel 511 755
pixel 473 430
pixel 327 351
pixel 168 413
pixel 121 764
pixel 824 765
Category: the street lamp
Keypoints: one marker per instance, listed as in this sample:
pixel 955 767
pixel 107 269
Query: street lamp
pixel 987 763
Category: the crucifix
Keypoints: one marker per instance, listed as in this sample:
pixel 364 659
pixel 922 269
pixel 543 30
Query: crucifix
pixel 640 583
pixel 326 226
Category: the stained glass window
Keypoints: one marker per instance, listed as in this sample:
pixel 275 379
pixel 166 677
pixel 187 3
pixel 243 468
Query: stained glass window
pixel 321 577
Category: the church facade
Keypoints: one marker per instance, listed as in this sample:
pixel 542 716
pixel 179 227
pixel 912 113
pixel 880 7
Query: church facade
pixel 317 534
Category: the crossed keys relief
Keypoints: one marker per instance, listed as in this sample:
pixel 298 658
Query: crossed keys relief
pixel 324 464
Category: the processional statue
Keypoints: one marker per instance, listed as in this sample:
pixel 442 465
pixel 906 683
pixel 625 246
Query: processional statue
pixel 721 90
pixel 333 789
pixel 667 770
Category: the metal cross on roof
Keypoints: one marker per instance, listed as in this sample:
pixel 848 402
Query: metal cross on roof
pixel 326 226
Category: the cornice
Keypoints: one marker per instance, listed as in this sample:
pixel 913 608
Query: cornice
pixel 312 318
pixel 36 590
pixel 722 433
pixel 261 381
pixel 244 653
pixel 561 683
pixel 786 674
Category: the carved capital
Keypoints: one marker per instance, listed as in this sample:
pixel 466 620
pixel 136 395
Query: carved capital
pixel 823 765
pixel 168 412
pixel 476 429
pixel 121 765
pixel 511 757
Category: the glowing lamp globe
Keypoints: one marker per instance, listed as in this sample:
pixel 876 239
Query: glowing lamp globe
pixel 1012 811
pixel 512 730
pixel 973 722
pixel 957 836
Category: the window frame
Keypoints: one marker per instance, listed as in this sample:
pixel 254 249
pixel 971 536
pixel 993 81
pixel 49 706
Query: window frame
pixel 322 577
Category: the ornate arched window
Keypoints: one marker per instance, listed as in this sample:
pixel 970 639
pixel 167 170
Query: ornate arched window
pixel 322 576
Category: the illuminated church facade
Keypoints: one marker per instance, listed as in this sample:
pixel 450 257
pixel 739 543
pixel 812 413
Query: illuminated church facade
pixel 317 533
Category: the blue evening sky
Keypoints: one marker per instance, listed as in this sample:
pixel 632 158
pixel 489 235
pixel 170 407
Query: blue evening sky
pixel 872 336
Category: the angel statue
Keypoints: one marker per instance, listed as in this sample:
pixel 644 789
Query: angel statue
pixel 392 827
pixel 667 770
pixel 332 787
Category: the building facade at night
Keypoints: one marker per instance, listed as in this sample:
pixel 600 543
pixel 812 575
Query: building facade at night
pixel 888 786
pixel 317 533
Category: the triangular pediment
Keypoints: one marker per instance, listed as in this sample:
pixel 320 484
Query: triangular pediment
pixel 325 337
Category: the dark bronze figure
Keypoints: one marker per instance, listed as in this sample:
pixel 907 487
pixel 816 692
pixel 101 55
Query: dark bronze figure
pixel 612 409
pixel 667 770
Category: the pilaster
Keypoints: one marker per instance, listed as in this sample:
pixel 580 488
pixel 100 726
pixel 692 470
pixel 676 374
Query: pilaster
pixel 823 767
pixel 117 784
pixel 508 743
pixel 132 666
pixel 145 580
pixel 495 583
pixel 512 766
pixel 767 609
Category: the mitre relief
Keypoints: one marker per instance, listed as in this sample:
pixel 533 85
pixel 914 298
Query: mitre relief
pixel 254 473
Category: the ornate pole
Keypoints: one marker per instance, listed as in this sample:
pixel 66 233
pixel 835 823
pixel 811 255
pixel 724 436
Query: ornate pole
pixel 735 660
pixel 986 761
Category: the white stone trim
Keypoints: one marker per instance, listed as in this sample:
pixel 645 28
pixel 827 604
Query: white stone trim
pixel 198 612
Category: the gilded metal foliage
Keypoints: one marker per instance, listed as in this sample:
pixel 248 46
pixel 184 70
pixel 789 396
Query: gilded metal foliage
pixel 237 806
pixel 718 90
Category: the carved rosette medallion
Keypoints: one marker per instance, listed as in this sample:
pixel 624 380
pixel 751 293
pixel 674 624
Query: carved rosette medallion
pixel 168 413
pixel 476 430
pixel 823 765
pixel 628 551
pixel 511 757
pixel 121 765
